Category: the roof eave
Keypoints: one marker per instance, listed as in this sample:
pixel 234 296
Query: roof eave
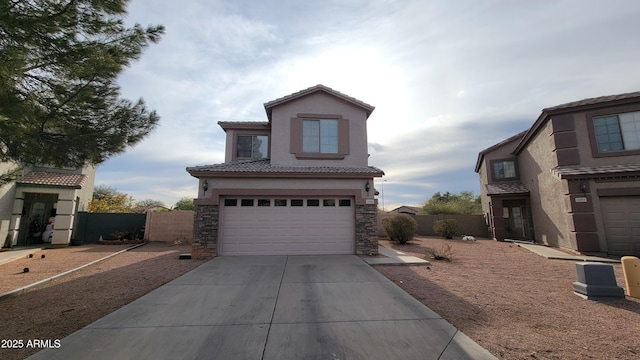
pixel 262 174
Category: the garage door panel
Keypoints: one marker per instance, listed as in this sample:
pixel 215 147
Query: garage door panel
pixel 286 230
pixel 621 217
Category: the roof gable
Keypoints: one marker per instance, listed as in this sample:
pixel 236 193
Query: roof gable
pixel 268 106
pixel 506 141
pixel 580 105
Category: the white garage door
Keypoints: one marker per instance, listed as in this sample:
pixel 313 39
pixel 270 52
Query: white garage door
pixel 621 217
pixel 286 226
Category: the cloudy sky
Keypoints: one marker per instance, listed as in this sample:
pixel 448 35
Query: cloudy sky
pixel 447 78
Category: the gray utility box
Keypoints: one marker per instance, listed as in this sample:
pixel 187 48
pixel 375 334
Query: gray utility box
pixel 596 281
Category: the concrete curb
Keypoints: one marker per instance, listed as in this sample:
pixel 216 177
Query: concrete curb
pixel 24 288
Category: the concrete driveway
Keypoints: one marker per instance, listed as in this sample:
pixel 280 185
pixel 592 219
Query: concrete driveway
pixel 272 307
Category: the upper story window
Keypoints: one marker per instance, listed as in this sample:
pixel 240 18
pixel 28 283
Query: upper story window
pixel 252 146
pixel 617 132
pixel 320 136
pixel 504 169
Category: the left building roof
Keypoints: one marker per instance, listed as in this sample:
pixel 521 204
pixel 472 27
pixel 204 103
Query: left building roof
pixel 75 181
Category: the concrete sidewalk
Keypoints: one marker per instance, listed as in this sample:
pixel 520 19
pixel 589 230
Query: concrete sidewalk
pixel 21 252
pixel 394 257
pixel 552 253
pixel 272 307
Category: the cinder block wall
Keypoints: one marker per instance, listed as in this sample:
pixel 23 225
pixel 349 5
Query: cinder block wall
pixel 467 224
pixel 169 226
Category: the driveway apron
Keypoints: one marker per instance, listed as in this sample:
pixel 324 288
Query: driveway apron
pixel 272 307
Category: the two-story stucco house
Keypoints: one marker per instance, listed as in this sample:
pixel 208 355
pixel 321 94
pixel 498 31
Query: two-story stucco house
pixel 298 183
pixel 572 180
pixel 39 194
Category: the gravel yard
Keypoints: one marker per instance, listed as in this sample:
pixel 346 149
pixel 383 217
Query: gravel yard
pixel 519 305
pixel 60 307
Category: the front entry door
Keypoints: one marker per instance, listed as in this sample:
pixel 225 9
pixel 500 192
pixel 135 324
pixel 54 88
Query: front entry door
pixel 37 209
pixel 518 220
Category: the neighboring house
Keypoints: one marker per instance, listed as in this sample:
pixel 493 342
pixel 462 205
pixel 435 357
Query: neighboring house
pixel 298 183
pixel 571 181
pixel 40 193
pixel 404 209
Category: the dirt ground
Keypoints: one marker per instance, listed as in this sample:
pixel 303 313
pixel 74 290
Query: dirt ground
pixel 60 307
pixel 516 304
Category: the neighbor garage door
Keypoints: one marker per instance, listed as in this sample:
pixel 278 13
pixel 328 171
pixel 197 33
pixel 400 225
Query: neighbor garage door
pixel 286 226
pixel 621 217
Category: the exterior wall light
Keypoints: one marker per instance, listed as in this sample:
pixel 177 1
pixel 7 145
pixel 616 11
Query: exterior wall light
pixel 205 185
pixel 584 187
pixel 367 186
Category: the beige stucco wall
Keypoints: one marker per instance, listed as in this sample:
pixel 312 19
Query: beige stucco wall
pixel 547 191
pixel 318 103
pixel 170 226
pixel 7 194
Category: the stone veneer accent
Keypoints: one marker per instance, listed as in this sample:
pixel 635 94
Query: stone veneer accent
pixel 205 232
pixel 366 229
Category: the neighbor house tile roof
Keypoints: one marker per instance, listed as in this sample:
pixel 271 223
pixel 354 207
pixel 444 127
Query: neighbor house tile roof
pixel 597 171
pixel 594 101
pixel 53 179
pixel 263 166
pixel 507 188
pixel 268 106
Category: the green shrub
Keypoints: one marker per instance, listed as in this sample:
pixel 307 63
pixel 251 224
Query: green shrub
pixel 400 227
pixel 447 228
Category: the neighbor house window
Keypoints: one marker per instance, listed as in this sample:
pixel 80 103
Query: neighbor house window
pixel 504 169
pixel 320 136
pixel 252 146
pixel 617 132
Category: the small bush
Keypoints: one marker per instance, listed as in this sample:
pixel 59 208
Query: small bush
pixel 400 227
pixel 447 228
pixel 443 252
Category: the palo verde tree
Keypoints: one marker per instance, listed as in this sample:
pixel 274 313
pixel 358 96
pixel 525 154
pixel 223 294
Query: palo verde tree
pixel 463 203
pixel 60 104
pixel 107 199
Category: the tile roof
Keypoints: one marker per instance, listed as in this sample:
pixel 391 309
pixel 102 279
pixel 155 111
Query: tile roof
pixel 506 188
pixel 597 171
pixel 594 101
pixel 53 179
pixel 264 166
pixel 243 124
pixel 269 105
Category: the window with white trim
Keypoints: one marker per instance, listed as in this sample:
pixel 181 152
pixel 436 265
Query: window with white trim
pixel 320 136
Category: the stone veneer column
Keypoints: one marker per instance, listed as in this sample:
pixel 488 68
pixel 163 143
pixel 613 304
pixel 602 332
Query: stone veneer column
pixel 366 229
pixel 205 232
